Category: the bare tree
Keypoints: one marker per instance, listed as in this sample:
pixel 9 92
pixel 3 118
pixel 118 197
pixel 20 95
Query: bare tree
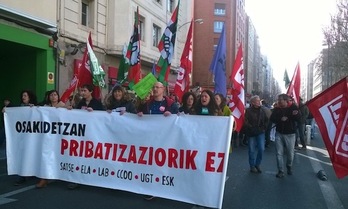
pixel 334 59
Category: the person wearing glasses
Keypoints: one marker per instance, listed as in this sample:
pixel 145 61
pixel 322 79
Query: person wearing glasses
pixel 158 104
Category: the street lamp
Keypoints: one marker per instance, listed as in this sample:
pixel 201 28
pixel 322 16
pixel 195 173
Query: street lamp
pixel 199 20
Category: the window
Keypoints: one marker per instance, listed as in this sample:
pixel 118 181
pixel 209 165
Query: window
pixel 158 1
pixel 87 15
pixel 220 9
pixel 155 35
pixel 170 5
pixel 218 25
pixel 142 28
pixel 216 42
pixel 84 15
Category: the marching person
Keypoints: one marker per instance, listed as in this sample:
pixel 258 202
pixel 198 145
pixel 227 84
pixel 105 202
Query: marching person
pixel 28 98
pixel 189 101
pixel 86 103
pixel 255 125
pixel 158 104
pixel 301 125
pixel 206 104
pixel 52 100
pixel 221 102
pixel 285 118
pixel 119 101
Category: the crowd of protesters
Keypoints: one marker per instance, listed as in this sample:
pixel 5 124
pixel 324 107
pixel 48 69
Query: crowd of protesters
pixel 283 123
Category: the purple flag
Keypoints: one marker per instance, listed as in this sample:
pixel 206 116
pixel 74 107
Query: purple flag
pixel 218 65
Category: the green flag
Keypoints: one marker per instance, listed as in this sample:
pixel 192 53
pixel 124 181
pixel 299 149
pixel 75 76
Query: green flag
pixel 123 67
pixel 97 71
pixel 166 47
pixel 286 79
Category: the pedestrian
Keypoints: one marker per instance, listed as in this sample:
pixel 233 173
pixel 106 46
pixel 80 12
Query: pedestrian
pixel 221 102
pixel 310 121
pixel 158 104
pixel 268 111
pixel 89 103
pixel 255 125
pixel 285 118
pixel 271 125
pixel 119 101
pixel 189 101
pixel 301 125
pixel 28 98
pixel 52 100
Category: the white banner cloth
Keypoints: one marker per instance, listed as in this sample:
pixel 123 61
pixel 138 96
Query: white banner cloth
pixel 177 157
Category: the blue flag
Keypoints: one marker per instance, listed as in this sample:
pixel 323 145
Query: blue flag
pixel 153 71
pixel 218 65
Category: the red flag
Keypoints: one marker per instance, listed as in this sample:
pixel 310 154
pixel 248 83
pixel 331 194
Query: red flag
pixel 237 79
pixel 84 74
pixel 182 84
pixel 330 111
pixel 295 85
pixel 73 85
pixel 133 54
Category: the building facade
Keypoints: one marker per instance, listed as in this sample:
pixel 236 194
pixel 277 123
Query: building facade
pixel 27 55
pixel 216 15
pixel 51 37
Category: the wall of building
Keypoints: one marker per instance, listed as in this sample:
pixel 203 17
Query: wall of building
pixel 27 58
pixel 204 40
pixel 112 28
pixel 41 10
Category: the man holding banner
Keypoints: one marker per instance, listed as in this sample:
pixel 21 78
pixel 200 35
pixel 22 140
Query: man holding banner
pixel 159 104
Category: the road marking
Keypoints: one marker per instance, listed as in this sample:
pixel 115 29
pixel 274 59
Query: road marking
pixel 5 200
pixel 312 158
pixel 17 191
pixel 329 193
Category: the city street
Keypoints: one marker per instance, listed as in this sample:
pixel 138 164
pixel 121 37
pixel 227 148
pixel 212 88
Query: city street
pixel 243 189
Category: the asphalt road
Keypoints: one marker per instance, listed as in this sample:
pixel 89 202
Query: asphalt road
pixel 242 190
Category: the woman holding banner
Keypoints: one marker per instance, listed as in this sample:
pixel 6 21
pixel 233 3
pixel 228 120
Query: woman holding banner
pixel 52 100
pixel 28 98
pixel 119 101
pixel 207 104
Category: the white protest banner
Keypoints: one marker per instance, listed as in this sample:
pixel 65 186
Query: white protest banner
pixel 176 157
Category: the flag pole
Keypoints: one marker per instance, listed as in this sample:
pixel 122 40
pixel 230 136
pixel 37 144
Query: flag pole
pixel 74 94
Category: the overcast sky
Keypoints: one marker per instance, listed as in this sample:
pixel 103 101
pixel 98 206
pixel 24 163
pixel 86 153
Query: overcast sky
pixel 290 31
